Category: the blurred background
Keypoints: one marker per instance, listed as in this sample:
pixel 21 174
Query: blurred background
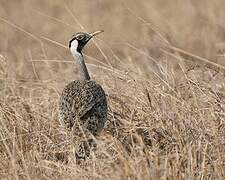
pixel 33 35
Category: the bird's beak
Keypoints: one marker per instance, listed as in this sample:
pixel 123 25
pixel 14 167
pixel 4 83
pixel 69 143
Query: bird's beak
pixel 96 33
pixel 91 35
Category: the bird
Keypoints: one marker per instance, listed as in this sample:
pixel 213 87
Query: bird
pixel 83 103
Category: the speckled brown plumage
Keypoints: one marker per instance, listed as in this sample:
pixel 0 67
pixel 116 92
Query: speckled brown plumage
pixel 83 108
pixel 85 101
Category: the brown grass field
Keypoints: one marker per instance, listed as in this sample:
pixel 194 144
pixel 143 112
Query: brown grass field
pixel 162 65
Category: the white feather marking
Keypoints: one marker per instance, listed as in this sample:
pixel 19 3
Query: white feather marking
pixel 73 47
pixel 75 53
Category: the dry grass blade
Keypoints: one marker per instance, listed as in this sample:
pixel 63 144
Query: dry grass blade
pixel 54 42
pixel 166 104
pixel 204 60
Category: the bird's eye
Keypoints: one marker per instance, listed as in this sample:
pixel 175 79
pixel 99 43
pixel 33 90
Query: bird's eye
pixel 80 37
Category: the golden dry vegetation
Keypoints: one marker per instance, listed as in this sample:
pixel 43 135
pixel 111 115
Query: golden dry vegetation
pixel 161 64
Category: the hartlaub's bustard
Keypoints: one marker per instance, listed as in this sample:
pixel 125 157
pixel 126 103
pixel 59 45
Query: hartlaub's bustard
pixel 83 104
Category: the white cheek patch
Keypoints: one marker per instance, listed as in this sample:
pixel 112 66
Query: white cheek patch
pixel 73 47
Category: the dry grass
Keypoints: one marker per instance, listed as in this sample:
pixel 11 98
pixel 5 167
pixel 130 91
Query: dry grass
pixel 161 64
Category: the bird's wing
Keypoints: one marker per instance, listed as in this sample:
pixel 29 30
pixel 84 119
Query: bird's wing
pixel 85 108
pixel 82 97
pixel 88 106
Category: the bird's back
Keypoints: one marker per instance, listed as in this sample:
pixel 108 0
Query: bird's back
pixel 83 102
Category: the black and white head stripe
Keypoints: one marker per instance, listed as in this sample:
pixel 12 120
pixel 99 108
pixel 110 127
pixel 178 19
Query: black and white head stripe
pixel 77 36
pixel 82 38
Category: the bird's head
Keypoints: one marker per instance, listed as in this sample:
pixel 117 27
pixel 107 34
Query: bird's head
pixel 79 40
